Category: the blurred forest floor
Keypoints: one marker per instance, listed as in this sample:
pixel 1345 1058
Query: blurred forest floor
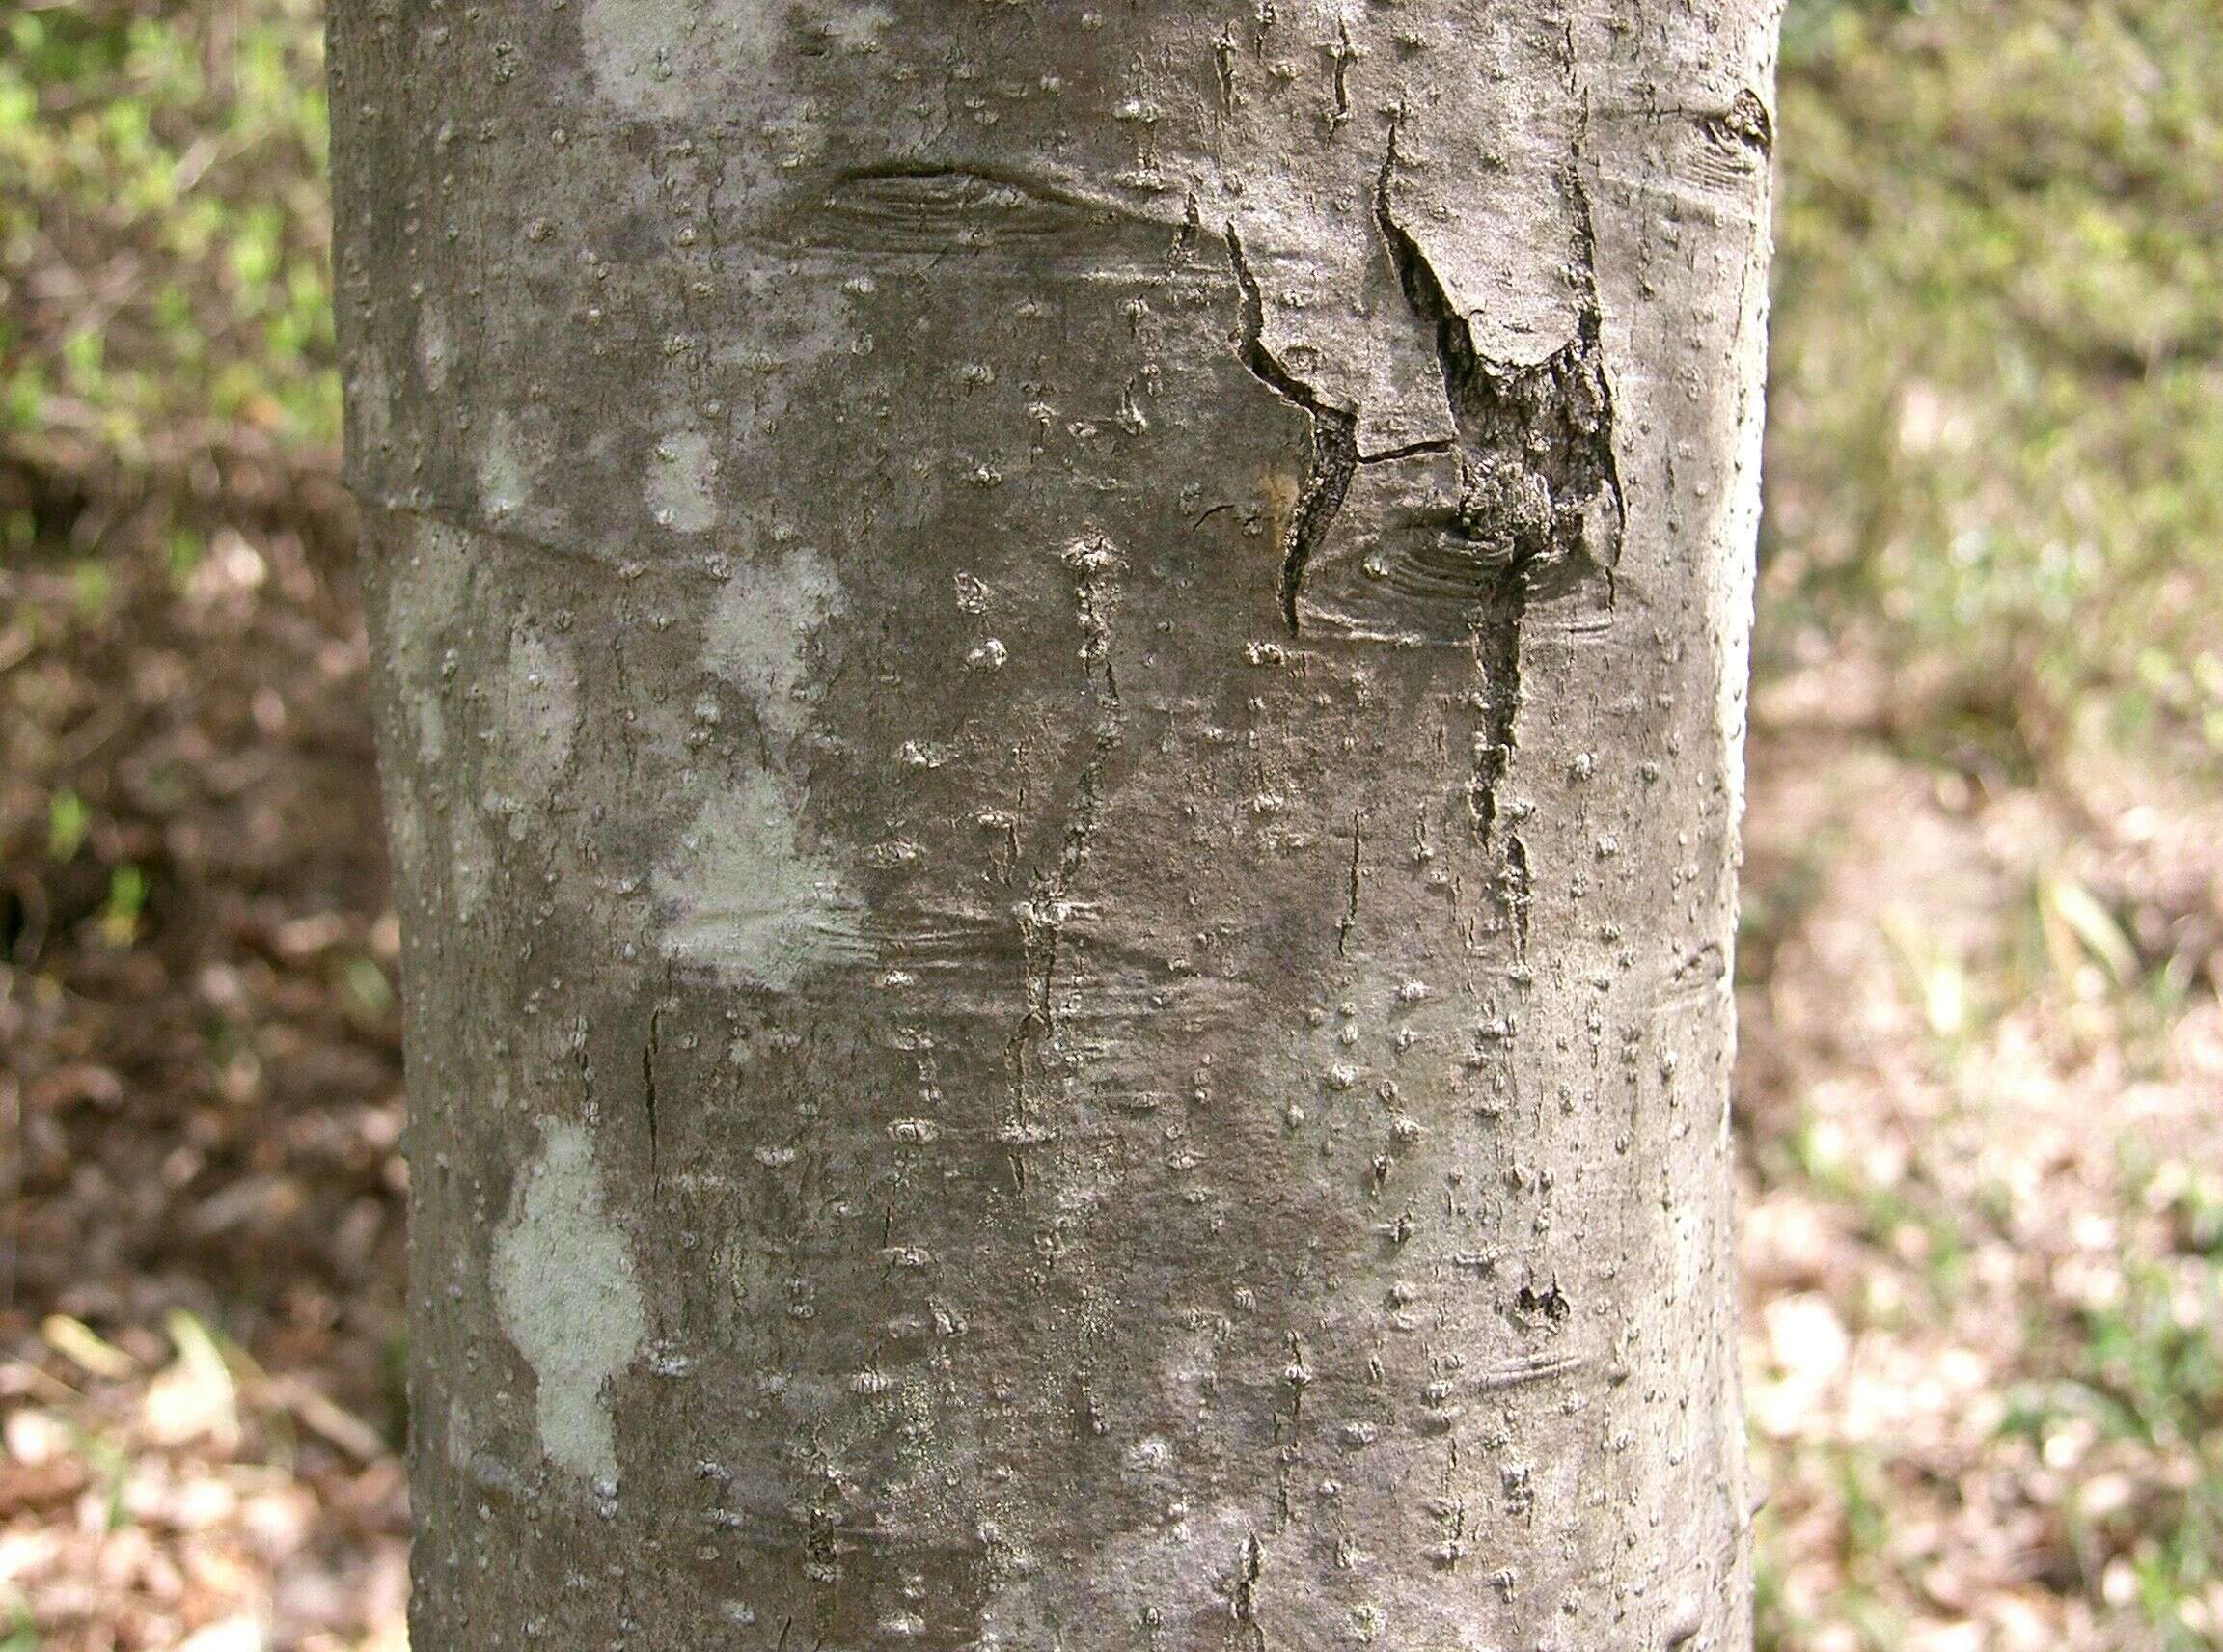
pixel 1982 975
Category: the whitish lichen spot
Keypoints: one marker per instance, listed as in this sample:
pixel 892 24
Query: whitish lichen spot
pixel 535 709
pixel 569 1299
pixel 651 58
pixel 746 898
pixel 854 28
pixel 432 348
pixel 428 585
pixel 759 635
pixel 505 474
pixel 681 487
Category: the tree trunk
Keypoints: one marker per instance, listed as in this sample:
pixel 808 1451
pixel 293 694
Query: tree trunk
pixel 1061 691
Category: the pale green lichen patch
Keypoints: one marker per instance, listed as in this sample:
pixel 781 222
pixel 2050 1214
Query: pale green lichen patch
pixel 759 634
pixel 505 471
pixel 426 590
pixel 433 351
pixel 681 487
pixel 534 706
pixel 742 892
pixel 747 897
pixel 852 28
pixel 651 58
pixel 570 1300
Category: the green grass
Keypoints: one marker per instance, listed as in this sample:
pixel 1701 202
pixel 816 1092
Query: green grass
pixel 163 235
pixel 1998 399
pixel 2142 1374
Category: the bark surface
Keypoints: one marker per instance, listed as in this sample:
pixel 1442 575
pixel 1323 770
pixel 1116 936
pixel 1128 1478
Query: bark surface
pixel 1061 690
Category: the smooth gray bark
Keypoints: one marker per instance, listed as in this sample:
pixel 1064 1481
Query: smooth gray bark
pixel 1061 700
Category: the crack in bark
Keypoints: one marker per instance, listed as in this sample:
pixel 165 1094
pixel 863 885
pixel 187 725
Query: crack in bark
pixel 1048 908
pixel 1339 56
pixel 1334 437
pixel 1223 68
pixel 1350 919
pixel 1535 457
pixel 649 1051
pixel 1519 886
pixel 1534 451
pixel 1247 1587
pixel 1505 604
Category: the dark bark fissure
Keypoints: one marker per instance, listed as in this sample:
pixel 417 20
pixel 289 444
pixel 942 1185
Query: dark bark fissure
pixel 1339 56
pixel 1335 438
pixel 1535 454
pixel 1350 919
pixel 649 1052
pixel 1247 1588
pixel 1745 122
pixel 1520 888
pixel 1535 462
pixel 1048 908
